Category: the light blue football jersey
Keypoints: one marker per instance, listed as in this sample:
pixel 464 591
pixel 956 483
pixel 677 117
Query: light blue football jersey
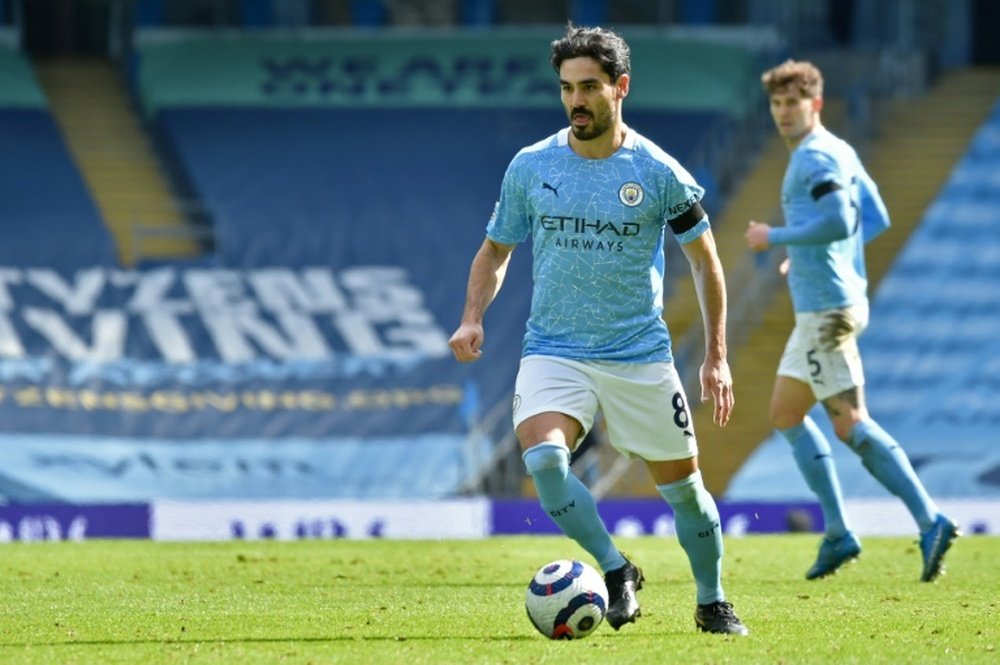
pixel 829 275
pixel 597 228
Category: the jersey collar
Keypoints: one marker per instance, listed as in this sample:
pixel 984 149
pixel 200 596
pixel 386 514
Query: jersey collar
pixel 562 138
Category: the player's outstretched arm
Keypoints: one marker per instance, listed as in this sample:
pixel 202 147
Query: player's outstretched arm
pixel 486 275
pixel 710 283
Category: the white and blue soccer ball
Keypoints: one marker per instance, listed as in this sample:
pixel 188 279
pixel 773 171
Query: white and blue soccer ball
pixel 566 600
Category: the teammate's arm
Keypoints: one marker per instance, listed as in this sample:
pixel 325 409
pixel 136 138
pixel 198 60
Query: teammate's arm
pixel 831 222
pixel 486 275
pixel 710 284
pixel 834 219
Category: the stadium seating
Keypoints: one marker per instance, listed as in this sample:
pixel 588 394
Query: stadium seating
pixel 932 359
pixel 46 213
pixel 48 218
pixel 337 179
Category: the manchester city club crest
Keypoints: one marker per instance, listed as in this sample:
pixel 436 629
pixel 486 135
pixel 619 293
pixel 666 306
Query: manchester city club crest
pixel 631 194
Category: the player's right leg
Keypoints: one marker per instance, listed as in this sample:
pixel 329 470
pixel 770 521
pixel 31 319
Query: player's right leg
pixel 554 407
pixel 623 583
pixel 571 506
pixel 562 495
pixel 791 400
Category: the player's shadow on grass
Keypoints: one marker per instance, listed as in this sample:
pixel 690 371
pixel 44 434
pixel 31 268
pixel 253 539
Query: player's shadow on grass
pixel 274 640
pixel 531 637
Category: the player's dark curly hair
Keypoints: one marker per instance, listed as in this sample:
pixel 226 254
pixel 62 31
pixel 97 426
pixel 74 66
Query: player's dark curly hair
pixel 605 46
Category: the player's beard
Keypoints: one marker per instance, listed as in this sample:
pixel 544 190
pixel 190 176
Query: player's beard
pixel 600 122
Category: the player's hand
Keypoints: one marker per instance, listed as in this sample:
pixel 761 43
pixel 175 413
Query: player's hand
pixel 466 342
pixel 717 385
pixel 756 236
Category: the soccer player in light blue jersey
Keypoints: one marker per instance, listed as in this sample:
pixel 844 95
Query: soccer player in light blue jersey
pixel 596 200
pixel 832 208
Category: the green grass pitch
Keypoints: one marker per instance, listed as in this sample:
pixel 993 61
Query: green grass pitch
pixel 439 602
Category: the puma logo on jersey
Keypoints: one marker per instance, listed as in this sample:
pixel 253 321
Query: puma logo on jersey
pixel 554 190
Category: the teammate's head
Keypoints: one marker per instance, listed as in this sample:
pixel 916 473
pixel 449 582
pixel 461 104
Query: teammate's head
pixel 800 78
pixel 605 46
pixel 795 92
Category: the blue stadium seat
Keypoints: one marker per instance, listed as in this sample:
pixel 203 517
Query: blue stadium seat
pixel 935 318
pixel 325 176
pixel 48 217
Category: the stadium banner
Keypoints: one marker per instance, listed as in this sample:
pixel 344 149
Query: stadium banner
pixel 202 382
pixel 84 469
pixel 204 352
pixel 219 520
pixel 645 517
pixel 430 69
pixel 638 517
pixel 296 520
pixel 37 522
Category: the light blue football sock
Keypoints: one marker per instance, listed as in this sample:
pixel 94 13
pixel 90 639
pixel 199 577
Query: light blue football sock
pixel 696 519
pixel 888 463
pixel 812 454
pixel 570 504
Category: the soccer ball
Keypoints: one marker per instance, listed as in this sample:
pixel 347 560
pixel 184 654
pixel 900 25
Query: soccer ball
pixel 566 600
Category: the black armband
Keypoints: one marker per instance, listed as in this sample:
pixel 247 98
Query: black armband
pixel 687 220
pixel 824 188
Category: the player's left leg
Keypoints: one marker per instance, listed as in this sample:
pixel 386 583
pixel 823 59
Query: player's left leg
pixel 880 453
pixel 888 463
pixel 699 531
pixel 696 520
pixel 633 399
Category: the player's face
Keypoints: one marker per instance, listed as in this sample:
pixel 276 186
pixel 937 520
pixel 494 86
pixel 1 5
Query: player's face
pixel 794 115
pixel 589 97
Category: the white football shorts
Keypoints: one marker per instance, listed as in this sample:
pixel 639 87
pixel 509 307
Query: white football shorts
pixel 644 406
pixel 822 350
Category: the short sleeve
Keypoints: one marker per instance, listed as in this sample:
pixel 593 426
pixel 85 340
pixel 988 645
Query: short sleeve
pixel 818 168
pixel 510 224
pixel 682 191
